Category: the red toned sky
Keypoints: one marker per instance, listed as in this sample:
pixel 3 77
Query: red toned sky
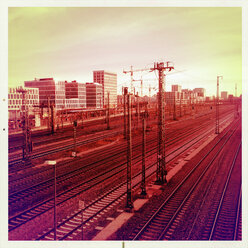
pixel 69 43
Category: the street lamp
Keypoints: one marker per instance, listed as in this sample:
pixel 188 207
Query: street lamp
pixel 52 162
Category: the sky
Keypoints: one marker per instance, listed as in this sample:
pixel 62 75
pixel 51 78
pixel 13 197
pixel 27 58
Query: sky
pixel 68 43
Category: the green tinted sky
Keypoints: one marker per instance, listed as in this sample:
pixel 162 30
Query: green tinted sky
pixel 69 43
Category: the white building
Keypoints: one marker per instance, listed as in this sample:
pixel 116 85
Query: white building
pixel 15 98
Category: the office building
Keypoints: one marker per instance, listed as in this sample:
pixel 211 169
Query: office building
pixel 224 95
pixel 94 95
pixel 49 89
pixel 15 98
pixel 108 80
pixel 16 101
pixel 176 88
pixel 75 95
pixel 200 92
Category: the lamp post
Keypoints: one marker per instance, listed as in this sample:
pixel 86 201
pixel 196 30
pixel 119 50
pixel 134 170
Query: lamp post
pixel 81 206
pixel 52 162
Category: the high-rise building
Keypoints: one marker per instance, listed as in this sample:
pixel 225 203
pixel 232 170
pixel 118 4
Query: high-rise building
pixel 94 93
pixel 62 94
pixel 15 100
pixel 224 95
pixel 75 95
pixel 108 80
pixel 200 92
pixel 71 89
pixel 49 89
pixel 176 88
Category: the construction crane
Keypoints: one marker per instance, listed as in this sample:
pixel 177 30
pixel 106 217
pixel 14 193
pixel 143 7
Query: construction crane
pixel 131 73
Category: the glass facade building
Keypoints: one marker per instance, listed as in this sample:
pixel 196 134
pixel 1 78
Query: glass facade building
pixel 63 94
pixel 108 80
pixel 94 95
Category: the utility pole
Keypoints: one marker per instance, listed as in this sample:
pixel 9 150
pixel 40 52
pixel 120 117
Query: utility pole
pixel 74 153
pixel 141 85
pixel 149 101
pixel 143 182
pixel 108 126
pixel 138 110
pixel 125 111
pixel 161 169
pixel 49 115
pixel 131 73
pixel 129 204
pixel 217 128
pixel 174 107
pixel 55 203
pixel 25 126
pixel 180 104
pixel 52 118
pixel 236 102
pixel 190 104
pixel 82 118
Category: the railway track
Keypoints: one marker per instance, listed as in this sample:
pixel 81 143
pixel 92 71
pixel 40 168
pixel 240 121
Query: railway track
pixel 36 211
pixel 28 192
pixel 225 222
pixel 162 221
pixel 44 136
pixel 14 175
pixel 16 159
pixel 61 147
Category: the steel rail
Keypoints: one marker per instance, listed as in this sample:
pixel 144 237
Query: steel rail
pixel 220 205
pixel 94 215
pixel 179 186
pixel 44 202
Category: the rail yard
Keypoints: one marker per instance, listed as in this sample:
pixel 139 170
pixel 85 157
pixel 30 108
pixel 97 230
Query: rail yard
pixel 57 195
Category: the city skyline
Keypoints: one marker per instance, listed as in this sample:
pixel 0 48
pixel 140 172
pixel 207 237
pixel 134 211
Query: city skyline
pixel 69 43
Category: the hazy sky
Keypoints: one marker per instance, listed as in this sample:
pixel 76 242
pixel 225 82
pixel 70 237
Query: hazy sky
pixel 69 43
